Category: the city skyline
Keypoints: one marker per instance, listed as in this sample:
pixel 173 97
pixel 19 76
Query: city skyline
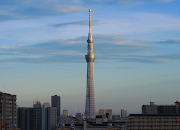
pixel 136 45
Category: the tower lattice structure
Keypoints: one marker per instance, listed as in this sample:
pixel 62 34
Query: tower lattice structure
pixel 90 57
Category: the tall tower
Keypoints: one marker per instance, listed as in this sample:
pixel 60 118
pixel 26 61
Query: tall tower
pixel 90 101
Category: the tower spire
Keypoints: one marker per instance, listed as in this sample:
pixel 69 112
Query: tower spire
pixel 89 20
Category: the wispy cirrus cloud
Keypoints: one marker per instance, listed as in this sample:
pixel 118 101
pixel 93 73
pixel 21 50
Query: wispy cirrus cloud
pixel 123 67
pixel 142 58
pixel 171 41
pixel 43 59
pixel 2 68
pixel 112 47
pixel 19 9
pixel 80 22
pixel 103 43
pixel 137 22
pixel 167 58
pixel 123 2
pixel 67 52
pixel 8 53
pixel 15 10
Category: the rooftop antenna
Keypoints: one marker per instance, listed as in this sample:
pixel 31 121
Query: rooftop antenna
pixel 89 20
pixel 4 88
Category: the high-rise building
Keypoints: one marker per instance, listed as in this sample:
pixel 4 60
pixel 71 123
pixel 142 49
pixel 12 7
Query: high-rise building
pixel 8 109
pixel 29 118
pixel 44 118
pixel 34 118
pixel 56 102
pixel 65 113
pixel 37 104
pixel 123 112
pixel 51 118
pixel 90 57
pixel 44 106
pixel 22 118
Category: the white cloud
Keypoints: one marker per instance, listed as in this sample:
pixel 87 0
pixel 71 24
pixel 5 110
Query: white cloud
pixel 32 10
pixel 171 41
pixel 129 43
pixel 4 47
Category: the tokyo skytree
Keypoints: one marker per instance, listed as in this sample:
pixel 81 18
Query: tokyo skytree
pixel 90 101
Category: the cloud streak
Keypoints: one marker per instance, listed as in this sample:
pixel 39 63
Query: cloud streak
pixel 2 68
pixel 124 2
pixel 111 47
pixel 121 58
pixel 124 67
pixel 19 9
pixel 171 41
pixel 103 43
pixel 80 22
pixel 15 10
pixel 143 58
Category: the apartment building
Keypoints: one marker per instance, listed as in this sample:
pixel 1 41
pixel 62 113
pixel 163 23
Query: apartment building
pixel 153 122
pixel 8 109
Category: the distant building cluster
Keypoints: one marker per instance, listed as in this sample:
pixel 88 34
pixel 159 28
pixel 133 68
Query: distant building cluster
pixel 40 117
pixel 47 116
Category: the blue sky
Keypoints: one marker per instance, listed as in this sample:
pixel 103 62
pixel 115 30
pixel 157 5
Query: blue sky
pixel 136 43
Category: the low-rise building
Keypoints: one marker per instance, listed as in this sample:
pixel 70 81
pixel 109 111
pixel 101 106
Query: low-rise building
pixel 104 111
pixel 161 109
pixel 94 126
pixel 65 113
pixel 154 122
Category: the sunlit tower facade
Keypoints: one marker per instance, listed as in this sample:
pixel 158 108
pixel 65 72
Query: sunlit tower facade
pixel 90 101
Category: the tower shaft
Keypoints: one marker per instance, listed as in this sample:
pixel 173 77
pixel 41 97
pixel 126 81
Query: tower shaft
pixel 90 57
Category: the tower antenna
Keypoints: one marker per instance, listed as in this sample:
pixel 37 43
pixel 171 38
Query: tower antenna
pixel 89 20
